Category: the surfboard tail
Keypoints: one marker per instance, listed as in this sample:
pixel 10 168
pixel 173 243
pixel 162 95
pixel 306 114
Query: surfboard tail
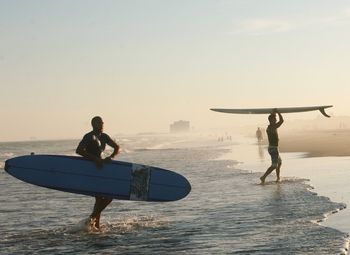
pixel 6 166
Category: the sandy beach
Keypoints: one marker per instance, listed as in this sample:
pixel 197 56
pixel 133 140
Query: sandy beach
pixel 317 143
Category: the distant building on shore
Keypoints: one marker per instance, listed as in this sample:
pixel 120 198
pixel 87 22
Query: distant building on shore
pixel 180 126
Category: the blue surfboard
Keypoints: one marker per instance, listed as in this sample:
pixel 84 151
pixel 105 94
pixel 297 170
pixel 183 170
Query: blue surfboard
pixel 117 179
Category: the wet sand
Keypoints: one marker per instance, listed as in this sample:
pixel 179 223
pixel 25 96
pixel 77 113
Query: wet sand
pixel 323 157
pixel 326 162
pixel 317 143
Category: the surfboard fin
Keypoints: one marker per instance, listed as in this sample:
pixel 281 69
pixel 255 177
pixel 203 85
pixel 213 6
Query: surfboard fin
pixel 322 110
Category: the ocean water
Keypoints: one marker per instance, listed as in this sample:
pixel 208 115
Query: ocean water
pixel 227 211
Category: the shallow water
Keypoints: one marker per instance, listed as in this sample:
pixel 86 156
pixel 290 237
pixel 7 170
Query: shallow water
pixel 227 212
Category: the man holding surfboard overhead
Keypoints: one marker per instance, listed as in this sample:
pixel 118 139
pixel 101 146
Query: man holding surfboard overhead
pixel 91 147
pixel 272 135
pixel 272 128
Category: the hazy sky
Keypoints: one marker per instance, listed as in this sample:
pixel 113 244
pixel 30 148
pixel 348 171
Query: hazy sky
pixel 143 64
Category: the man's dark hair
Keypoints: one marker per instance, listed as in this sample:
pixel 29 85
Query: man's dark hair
pixel 96 118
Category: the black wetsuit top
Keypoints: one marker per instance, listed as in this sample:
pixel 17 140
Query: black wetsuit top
pixel 95 143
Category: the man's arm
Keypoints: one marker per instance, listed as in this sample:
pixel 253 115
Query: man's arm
pixel 81 150
pixel 115 146
pixel 280 121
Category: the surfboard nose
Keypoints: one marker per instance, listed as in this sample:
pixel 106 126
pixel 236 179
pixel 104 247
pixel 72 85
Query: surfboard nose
pixel 189 187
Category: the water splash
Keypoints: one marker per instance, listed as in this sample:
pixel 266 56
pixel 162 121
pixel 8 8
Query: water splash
pixel 133 223
pixel 121 225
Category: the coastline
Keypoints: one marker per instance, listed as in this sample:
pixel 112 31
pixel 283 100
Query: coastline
pixel 326 168
pixel 326 155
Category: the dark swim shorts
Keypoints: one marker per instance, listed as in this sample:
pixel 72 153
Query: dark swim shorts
pixel 275 156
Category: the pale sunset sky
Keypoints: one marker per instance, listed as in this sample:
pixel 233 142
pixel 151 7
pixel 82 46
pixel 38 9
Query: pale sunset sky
pixel 143 64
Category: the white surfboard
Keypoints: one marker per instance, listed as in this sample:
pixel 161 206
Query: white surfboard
pixel 270 110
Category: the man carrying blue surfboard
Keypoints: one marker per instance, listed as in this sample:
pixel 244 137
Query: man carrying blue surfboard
pixel 272 135
pixel 91 147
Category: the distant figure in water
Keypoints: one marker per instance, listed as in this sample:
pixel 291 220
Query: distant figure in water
pixel 259 135
pixel 91 147
pixel 272 135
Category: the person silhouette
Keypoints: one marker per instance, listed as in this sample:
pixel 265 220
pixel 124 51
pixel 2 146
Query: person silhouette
pixel 272 134
pixel 91 147
pixel 259 135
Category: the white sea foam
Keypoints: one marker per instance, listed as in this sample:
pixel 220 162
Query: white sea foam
pixel 345 249
pixel 131 223
pixel 82 226
pixel 6 154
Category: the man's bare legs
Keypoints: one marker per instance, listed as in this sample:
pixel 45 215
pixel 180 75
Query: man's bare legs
pixel 268 171
pixel 100 204
pixel 278 171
